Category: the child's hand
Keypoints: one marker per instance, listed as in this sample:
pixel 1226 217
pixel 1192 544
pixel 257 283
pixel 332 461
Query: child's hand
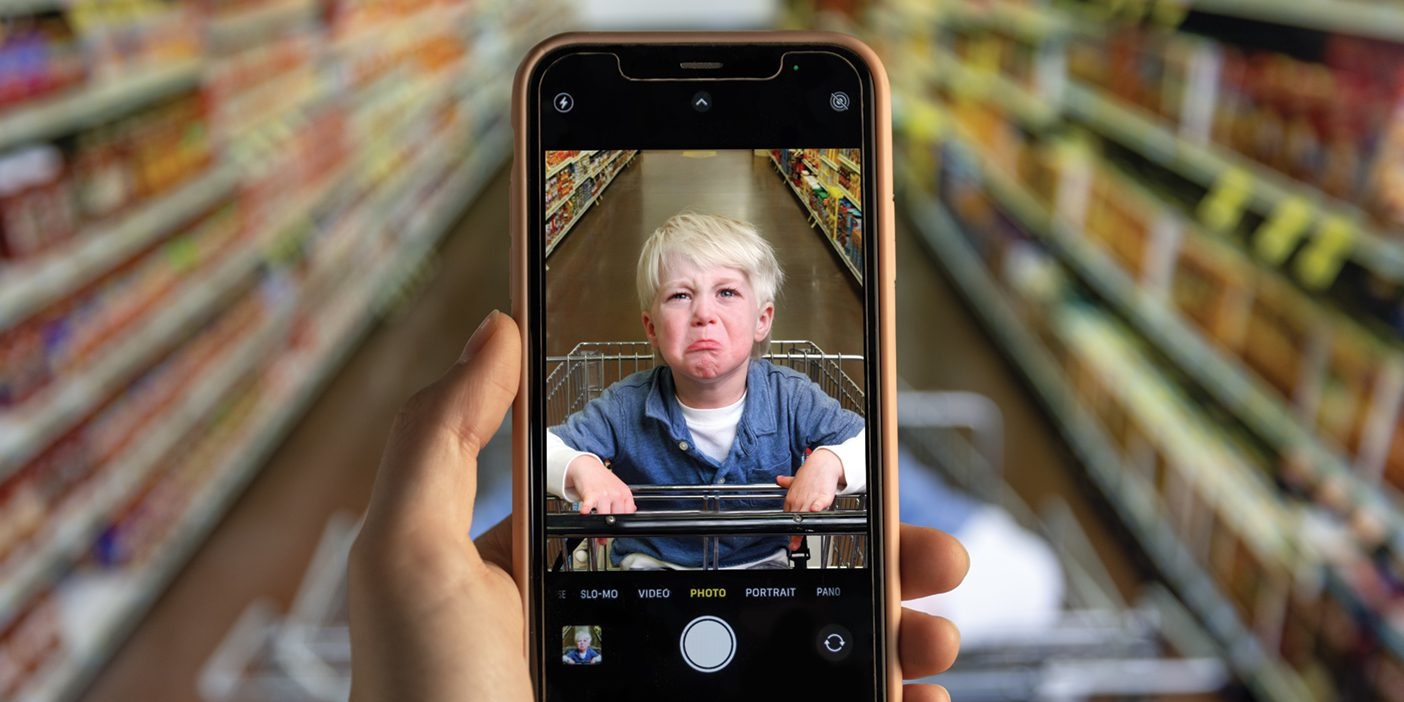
pixel 600 490
pixel 812 487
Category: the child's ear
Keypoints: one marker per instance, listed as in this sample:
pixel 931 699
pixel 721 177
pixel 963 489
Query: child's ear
pixel 763 320
pixel 649 331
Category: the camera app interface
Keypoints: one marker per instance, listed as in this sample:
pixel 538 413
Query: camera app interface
pixel 706 459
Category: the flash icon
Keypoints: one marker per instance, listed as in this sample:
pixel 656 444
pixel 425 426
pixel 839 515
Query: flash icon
pixel 564 102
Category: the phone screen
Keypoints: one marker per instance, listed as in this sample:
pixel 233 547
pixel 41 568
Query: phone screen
pixel 704 333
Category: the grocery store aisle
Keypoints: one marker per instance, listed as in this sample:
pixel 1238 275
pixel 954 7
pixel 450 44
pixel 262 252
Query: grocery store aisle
pixel 326 465
pixel 820 299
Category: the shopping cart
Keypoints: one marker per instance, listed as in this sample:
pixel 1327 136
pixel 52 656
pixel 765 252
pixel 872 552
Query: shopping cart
pixel 1099 646
pixel 581 542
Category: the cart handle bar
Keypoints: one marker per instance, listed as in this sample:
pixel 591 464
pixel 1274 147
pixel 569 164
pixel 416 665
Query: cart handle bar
pixel 740 522
pixel 759 490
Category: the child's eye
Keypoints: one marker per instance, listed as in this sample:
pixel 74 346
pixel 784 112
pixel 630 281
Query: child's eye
pixel 729 292
pixel 679 296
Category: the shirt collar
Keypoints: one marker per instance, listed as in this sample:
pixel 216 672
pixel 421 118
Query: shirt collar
pixel 662 404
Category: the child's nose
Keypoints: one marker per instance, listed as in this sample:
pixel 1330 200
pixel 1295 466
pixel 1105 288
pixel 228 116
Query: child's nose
pixel 703 312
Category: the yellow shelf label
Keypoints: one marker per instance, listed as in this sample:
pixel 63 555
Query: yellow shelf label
pixel 1323 258
pixel 1283 230
pixel 1223 207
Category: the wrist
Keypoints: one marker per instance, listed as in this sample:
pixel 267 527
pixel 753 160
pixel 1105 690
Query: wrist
pixel 586 463
pixel 827 462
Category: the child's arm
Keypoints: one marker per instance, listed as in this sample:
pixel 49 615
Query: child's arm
pixel 853 454
pixel 580 476
pixel 558 459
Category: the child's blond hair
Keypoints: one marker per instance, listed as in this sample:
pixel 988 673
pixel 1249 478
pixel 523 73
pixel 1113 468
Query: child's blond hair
pixel 711 241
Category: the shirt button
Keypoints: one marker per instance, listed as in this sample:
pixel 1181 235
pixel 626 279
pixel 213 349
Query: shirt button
pixel 722 481
pixel 682 445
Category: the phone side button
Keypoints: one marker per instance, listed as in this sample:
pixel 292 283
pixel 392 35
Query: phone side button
pixel 708 644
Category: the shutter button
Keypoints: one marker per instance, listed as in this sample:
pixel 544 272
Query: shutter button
pixel 708 644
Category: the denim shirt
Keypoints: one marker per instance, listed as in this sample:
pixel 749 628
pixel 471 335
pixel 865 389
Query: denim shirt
pixel 637 425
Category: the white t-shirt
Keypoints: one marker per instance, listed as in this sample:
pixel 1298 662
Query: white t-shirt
pixel 714 430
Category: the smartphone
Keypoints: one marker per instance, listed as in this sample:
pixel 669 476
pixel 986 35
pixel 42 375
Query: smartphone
pixel 703 266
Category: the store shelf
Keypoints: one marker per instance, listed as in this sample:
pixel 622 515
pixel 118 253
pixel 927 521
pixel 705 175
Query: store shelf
pixel 29 286
pixel 1379 20
pixel 553 170
pixel 95 104
pixel 550 211
pixel 273 420
pixel 436 216
pixel 946 70
pixel 1207 164
pixel 580 212
pixel 845 161
pixel 26 431
pixel 1024 21
pixel 252 26
pixel 75 528
pixel 415 27
pixel 818 220
pixel 1222 376
pixel 1267 676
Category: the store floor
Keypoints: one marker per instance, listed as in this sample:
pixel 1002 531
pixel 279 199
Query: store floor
pixel 327 463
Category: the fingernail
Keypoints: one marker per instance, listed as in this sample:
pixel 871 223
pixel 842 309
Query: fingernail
pixel 480 337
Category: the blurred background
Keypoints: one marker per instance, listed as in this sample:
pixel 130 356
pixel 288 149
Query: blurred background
pixel 1150 267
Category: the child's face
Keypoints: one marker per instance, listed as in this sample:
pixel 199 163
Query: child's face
pixel 582 643
pixel 705 321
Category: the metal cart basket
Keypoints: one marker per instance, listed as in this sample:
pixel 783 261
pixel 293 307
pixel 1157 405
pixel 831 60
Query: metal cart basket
pixel 580 542
pixel 1101 647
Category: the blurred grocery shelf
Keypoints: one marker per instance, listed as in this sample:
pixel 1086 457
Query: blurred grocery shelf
pixel 1380 20
pixel 1191 274
pixel 204 220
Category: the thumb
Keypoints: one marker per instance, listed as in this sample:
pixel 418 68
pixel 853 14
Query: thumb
pixel 428 474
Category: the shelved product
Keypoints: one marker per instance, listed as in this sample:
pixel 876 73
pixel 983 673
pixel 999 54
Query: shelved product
pixel 234 233
pixel 1193 227
pixel 829 185
pixel 575 180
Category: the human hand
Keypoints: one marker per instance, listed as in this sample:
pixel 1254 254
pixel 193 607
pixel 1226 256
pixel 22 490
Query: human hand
pixel 435 616
pixel 812 487
pixel 600 490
